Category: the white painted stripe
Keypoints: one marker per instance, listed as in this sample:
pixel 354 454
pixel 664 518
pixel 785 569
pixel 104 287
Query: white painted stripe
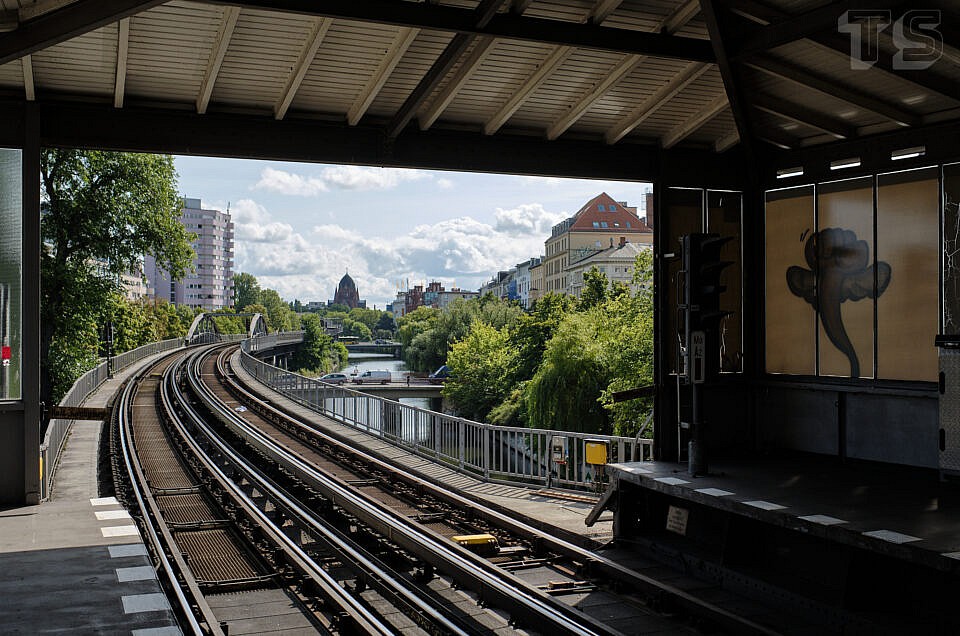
pixel 714 492
pixel 764 505
pixel 104 515
pixel 120 531
pixel 127 550
pixel 141 573
pixel 134 603
pixel 823 520
pixel 671 481
pixel 104 501
pixel 891 536
pixel 952 555
pixel 172 630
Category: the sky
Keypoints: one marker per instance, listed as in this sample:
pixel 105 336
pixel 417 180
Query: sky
pixel 299 227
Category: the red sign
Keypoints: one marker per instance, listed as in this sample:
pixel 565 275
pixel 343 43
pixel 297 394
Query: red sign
pixel 5 354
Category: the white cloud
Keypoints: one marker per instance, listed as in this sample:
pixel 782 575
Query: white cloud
pixel 289 183
pixel 539 182
pixel 461 251
pixel 338 178
pixel 529 218
pixel 444 184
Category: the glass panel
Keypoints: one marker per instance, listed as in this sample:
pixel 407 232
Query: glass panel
pixel 908 240
pixel 683 215
pixel 951 249
pixel 845 286
pixel 790 320
pixel 11 180
pixel 724 213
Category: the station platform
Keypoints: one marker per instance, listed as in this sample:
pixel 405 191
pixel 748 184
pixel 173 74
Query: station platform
pixel 76 563
pixel 562 511
pixel 849 539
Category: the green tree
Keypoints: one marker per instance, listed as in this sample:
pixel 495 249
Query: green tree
pixel 102 211
pixel 481 366
pixel 565 391
pixel 386 326
pixel 278 312
pixel 594 289
pixel 531 332
pixel 318 353
pixel 246 290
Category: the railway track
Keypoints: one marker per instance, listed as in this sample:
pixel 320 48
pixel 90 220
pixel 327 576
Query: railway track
pixel 251 510
pixel 241 524
pixel 620 597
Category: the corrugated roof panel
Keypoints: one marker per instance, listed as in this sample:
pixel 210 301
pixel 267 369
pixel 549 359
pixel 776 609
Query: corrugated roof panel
pixel 835 65
pixel 575 79
pixel 412 67
pixel 11 75
pixel 502 74
pixel 347 58
pixel 169 49
pixel 566 10
pixel 262 54
pixel 84 65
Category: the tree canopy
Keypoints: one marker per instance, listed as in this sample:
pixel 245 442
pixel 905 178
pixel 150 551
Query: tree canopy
pixel 101 212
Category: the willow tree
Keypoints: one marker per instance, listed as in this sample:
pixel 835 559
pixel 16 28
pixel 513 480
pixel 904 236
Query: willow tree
pixel 101 213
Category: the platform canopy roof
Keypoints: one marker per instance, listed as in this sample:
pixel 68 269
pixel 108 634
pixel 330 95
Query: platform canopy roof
pixel 553 86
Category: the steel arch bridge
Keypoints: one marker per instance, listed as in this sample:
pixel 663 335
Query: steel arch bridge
pixel 204 328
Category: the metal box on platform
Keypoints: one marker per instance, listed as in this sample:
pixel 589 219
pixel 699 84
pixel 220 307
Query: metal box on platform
pixel 949 398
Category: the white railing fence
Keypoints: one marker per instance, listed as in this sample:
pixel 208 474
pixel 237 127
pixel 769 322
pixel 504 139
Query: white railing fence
pixel 500 453
pixel 86 384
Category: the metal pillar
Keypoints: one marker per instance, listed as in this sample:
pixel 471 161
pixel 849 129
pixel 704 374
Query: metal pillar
pixel 32 409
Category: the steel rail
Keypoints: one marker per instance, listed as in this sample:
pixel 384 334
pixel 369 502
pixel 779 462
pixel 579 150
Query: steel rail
pixel 597 563
pixel 177 570
pixel 361 617
pixel 524 601
pixel 397 587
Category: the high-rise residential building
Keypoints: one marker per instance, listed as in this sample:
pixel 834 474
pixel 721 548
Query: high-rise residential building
pixel 599 224
pixel 209 285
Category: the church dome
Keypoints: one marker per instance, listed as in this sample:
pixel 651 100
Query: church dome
pixel 346 283
pixel 347 293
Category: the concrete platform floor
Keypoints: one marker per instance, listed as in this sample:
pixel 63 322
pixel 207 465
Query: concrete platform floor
pixel 76 563
pixel 901 511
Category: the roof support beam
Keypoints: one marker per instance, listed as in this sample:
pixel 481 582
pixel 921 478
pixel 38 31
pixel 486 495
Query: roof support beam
pixel 460 43
pixel 395 53
pixel 828 87
pixel 603 10
pixel 317 32
pixel 480 51
pixel 546 69
pixel 504 25
pixel 657 99
pixel 29 92
pixel 790 28
pixel 123 46
pixel 695 121
pixel 801 115
pixel 820 26
pixel 220 46
pixel 719 27
pixel 69 22
pixel 726 142
pixel 610 80
pixel 622 69
pixel 681 16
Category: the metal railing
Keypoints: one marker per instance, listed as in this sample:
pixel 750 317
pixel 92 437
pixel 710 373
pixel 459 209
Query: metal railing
pixel 86 384
pixel 500 453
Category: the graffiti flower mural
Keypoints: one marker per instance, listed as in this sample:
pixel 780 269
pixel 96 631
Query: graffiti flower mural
pixel 840 260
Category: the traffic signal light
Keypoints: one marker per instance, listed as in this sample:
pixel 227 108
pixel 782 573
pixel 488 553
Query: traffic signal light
pixel 702 268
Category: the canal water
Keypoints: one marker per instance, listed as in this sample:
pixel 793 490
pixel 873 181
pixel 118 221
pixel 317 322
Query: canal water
pixel 383 362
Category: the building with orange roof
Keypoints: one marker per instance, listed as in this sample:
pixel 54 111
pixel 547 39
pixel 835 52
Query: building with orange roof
pixel 601 223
